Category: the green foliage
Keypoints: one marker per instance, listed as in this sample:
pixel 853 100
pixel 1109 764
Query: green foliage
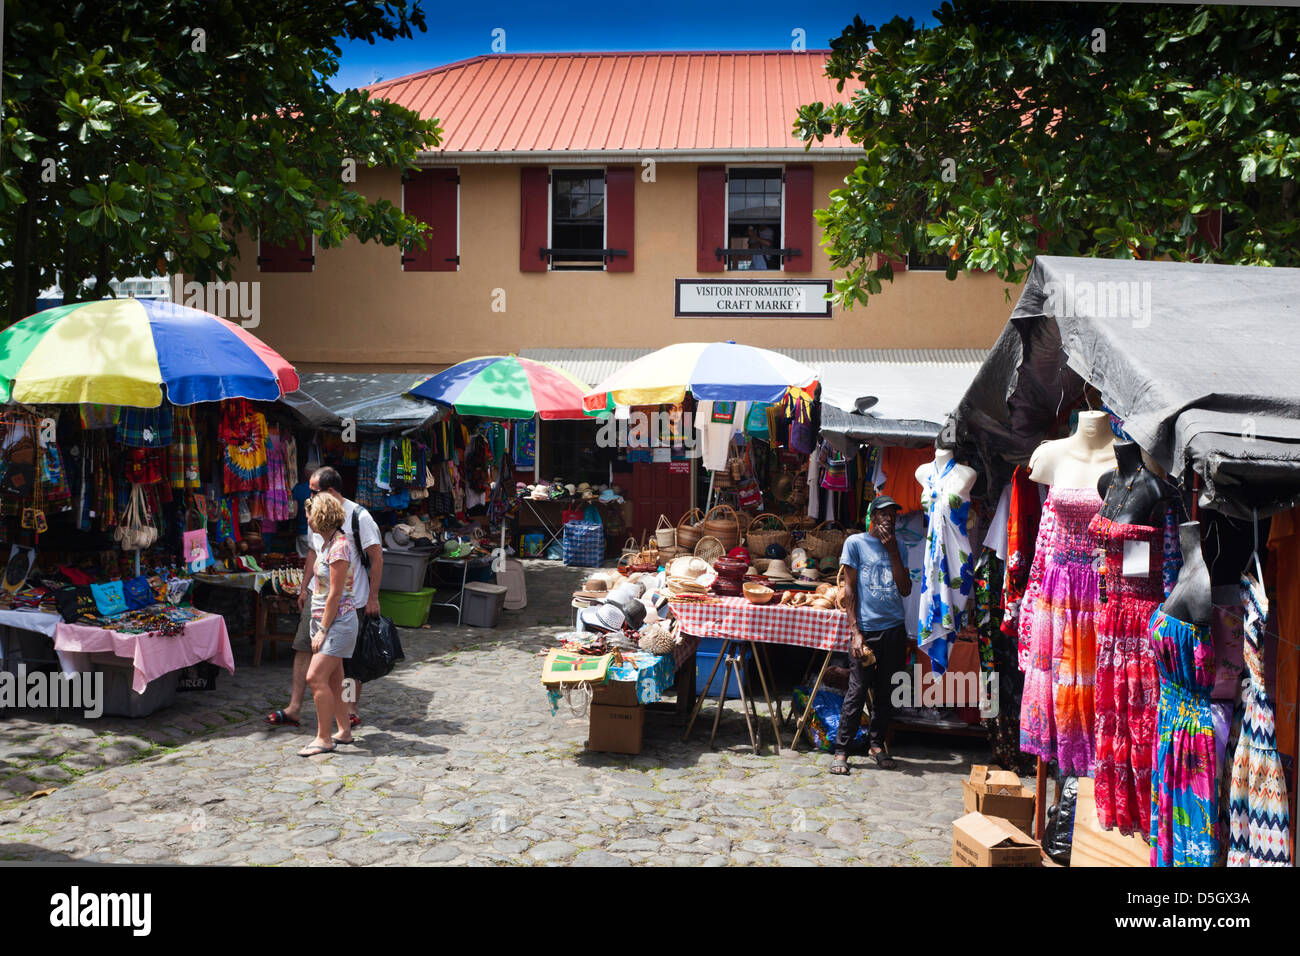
pixel 140 131
pixel 1101 145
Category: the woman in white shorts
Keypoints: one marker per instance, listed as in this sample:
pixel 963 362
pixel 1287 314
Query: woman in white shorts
pixel 334 625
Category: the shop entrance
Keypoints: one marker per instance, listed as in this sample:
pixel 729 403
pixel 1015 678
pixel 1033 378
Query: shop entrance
pixel 659 487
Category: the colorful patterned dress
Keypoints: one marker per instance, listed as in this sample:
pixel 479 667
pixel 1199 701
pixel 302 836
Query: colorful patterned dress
pixel 1258 811
pixel 1128 686
pixel 949 566
pixel 1056 710
pixel 1184 797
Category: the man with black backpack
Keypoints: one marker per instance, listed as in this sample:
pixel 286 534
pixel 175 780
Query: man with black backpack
pixel 367 570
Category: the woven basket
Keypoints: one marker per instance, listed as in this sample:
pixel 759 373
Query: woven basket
pixel 800 522
pixel 710 549
pixel 667 554
pixel 758 539
pixel 649 554
pixel 825 541
pixel 723 523
pixel 688 529
pixel 722 480
pixel 665 532
pixel 630 546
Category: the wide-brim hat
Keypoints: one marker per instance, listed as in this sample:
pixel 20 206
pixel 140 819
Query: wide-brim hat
pixel 634 612
pixel 594 583
pixel 777 571
pixel 605 616
pixel 397 540
pixel 783 487
pixel 416 528
pixel 584 486
pixel 807 574
pixel 609 495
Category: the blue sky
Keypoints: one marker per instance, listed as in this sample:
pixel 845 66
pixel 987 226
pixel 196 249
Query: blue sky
pixel 456 34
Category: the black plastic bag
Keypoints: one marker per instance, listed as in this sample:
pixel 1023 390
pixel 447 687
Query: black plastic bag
pixel 1058 834
pixel 378 649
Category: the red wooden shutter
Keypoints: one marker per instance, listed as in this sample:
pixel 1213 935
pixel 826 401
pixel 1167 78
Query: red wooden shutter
pixel 620 215
pixel 534 206
pixel 431 196
pixel 798 231
pixel 900 265
pixel 291 256
pixel 711 221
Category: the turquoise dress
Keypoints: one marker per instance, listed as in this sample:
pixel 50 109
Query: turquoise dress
pixel 1184 794
pixel 948 573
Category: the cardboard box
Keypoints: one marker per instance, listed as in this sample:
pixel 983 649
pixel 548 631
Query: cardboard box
pixel 615 729
pixel 998 793
pixel 978 840
pixel 616 693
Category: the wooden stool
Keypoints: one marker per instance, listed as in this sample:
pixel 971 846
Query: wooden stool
pixel 269 606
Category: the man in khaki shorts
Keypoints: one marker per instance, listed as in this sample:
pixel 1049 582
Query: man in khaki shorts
pixel 365 586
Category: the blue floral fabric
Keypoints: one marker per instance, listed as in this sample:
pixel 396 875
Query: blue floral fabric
pixel 949 572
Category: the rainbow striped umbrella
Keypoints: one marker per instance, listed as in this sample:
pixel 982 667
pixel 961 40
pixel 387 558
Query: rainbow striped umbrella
pixel 123 351
pixel 505 386
pixel 718 371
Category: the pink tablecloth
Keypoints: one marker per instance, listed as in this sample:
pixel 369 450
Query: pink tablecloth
pixel 205 639
pixel 737 618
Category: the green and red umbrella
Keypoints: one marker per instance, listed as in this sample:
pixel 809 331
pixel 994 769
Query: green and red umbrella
pixel 505 386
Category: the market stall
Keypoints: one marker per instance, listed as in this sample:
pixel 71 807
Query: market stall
pixel 1135 431
pixel 127 422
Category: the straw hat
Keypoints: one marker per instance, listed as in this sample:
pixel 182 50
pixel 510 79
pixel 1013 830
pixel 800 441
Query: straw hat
pixel 596 583
pixel 777 571
pixel 584 486
pixel 807 574
pixel 416 528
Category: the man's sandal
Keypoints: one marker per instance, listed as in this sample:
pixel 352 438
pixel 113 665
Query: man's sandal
pixel 840 768
pixel 883 760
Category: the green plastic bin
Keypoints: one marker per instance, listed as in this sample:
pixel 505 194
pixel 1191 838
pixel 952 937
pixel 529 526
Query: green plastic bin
pixel 406 608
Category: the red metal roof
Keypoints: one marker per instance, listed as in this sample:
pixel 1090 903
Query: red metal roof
pixel 584 102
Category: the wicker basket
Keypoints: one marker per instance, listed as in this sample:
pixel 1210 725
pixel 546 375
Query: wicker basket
pixel 758 539
pixel 800 522
pixel 665 532
pixel 667 554
pixel 825 541
pixel 723 522
pixel 630 546
pixel 722 480
pixel 688 529
pixel 709 548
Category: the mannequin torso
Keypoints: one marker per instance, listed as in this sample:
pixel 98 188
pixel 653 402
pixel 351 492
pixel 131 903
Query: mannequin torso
pixel 1078 461
pixel 1133 495
pixel 958 481
pixel 1190 601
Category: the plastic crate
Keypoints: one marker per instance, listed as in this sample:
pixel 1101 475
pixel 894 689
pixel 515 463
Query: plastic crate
pixel 705 656
pixel 483 604
pixel 406 608
pixel 404 570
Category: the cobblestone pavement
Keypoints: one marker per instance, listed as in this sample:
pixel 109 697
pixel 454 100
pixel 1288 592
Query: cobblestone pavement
pixel 459 762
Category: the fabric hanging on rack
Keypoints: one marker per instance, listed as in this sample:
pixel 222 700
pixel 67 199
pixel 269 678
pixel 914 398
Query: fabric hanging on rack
pixel 368 494
pixel 949 571
pixel 146 427
pixel 1259 813
pixel 243 438
pixel 278 495
pixel 995 536
pixel 898 467
pixel 95 416
pixel 384 465
pixel 1284 543
pixel 183 455
pixel 525 444
pixel 717 422
pixel 1024 513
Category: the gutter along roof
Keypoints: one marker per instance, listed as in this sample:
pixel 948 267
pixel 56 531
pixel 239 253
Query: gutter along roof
pixel 706 104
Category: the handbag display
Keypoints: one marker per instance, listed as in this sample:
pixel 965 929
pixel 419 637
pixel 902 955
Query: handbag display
pixel 137 531
pixel 110 598
pixel 76 603
pixel 137 592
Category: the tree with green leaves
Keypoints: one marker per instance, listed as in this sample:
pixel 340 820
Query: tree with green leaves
pixel 1010 130
pixel 142 137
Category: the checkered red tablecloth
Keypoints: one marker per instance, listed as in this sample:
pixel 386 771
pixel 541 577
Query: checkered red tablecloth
pixel 737 618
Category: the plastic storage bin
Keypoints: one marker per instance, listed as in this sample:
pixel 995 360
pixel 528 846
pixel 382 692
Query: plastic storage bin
pixel 705 656
pixel 404 570
pixel 483 604
pixel 406 608
pixel 121 701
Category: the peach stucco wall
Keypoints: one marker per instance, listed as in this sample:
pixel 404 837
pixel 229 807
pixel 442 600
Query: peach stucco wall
pixel 358 308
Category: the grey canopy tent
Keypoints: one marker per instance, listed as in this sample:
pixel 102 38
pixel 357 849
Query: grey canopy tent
pixel 1201 362
pixel 374 401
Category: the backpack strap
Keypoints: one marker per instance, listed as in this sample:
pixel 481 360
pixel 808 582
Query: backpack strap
pixel 356 536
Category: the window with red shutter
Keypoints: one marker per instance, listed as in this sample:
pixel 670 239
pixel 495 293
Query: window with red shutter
pixel 291 256
pixel 799 217
pixel 754 220
pixel 711 218
pixel 534 217
pixel 620 216
pixel 433 197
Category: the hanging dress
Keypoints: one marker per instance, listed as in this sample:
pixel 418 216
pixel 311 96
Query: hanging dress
pixel 1128 686
pixel 1184 796
pixel 277 486
pixel 1059 636
pixel 1025 509
pixel 1258 813
pixel 949 572
pixel 243 438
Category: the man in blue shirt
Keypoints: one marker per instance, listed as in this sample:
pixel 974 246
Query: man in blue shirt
pixel 301 492
pixel 876 580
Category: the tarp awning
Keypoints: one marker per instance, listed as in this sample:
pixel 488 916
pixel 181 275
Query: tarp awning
pixel 375 401
pixel 1202 363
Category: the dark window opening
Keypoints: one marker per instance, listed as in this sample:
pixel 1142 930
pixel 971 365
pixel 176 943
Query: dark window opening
pixel 754 217
pixel 578 219
pixel 926 262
